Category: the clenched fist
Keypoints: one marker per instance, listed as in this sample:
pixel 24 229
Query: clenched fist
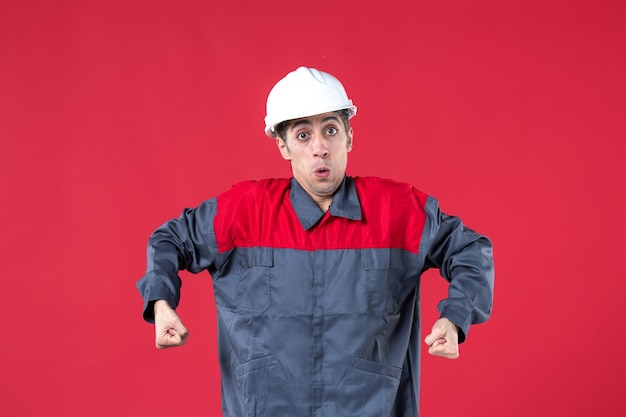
pixel 443 339
pixel 169 328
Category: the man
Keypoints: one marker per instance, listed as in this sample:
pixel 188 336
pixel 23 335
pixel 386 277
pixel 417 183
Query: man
pixel 316 277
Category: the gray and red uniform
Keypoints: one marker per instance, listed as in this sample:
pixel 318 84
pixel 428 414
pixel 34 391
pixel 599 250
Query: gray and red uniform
pixel 318 313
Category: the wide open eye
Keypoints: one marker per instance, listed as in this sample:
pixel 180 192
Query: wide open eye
pixel 302 136
pixel 331 130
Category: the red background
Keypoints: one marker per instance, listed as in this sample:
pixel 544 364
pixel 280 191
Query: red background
pixel 116 115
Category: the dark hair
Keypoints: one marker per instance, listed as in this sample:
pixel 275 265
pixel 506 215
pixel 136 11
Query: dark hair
pixel 281 129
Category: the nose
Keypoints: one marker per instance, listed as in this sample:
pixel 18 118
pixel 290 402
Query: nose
pixel 319 146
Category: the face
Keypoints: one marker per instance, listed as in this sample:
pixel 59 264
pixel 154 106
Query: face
pixel 317 147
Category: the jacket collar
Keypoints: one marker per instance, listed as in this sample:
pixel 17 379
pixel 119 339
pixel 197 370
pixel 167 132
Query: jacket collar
pixel 345 203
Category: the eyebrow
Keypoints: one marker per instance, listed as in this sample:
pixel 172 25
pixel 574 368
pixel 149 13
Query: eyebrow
pixel 308 122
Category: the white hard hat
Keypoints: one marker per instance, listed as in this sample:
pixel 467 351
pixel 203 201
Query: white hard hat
pixel 302 93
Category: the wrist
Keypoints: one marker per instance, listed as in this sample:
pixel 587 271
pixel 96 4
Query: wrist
pixel 160 305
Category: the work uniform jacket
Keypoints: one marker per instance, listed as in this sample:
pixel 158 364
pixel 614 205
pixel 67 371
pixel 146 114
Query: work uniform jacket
pixel 318 313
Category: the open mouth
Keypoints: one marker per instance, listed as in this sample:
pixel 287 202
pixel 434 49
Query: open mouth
pixel 322 172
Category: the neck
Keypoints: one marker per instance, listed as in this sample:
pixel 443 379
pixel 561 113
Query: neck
pixel 324 204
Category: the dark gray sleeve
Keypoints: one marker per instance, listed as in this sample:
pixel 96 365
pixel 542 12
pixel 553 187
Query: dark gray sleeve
pixel 465 259
pixel 187 242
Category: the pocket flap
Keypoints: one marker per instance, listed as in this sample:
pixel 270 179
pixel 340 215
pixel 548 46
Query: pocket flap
pixel 255 365
pixel 257 256
pixel 376 367
pixel 380 259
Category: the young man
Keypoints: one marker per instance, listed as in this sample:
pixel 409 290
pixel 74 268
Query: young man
pixel 316 277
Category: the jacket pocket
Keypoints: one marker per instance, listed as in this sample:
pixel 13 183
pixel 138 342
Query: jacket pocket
pixel 368 389
pixel 252 378
pixel 265 391
pixel 254 279
pixel 377 367
pixel 381 268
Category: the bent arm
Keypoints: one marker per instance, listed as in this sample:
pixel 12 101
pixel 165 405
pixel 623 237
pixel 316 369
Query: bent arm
pixel 465 260
pixel 182 243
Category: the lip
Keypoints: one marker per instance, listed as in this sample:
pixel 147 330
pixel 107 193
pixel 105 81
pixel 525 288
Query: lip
pixel 322 172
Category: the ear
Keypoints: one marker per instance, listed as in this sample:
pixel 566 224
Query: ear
pixel 350 138
pixel 282 147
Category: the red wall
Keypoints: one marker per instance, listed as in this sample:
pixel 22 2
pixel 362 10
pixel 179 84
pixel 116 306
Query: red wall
pixel 115 115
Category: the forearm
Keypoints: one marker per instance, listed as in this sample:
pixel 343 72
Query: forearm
pixel 178 244
pixel 470 293
pixel 158 285
pixel 465 259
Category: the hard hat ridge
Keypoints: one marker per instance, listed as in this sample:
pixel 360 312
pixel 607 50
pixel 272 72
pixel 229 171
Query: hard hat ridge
pixel 302 93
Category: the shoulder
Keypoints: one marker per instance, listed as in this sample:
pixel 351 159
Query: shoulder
pixel 256 187
pixel 376 187
pixel 253 196
pixel 394 209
